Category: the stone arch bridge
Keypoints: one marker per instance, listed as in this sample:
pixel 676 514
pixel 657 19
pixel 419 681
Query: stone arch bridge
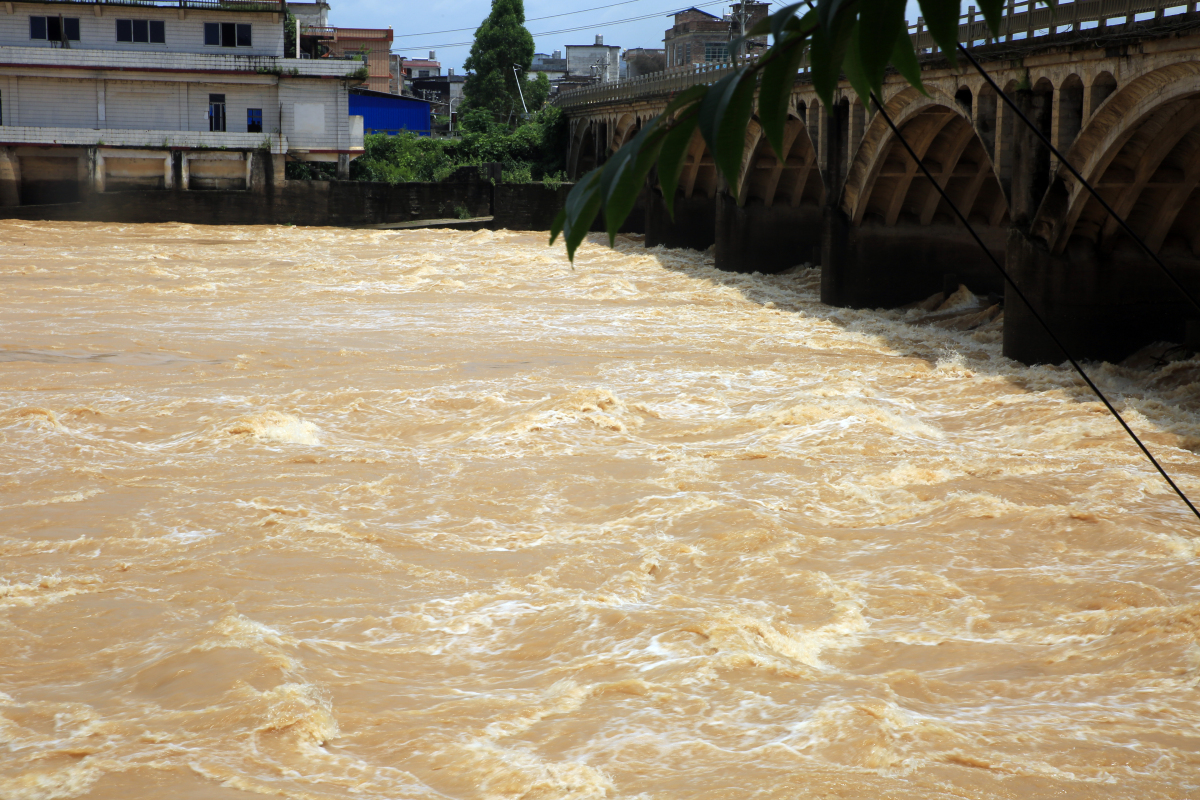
pixel 1115 84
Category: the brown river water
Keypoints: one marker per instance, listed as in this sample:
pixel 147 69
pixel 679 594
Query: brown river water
pixel 318 513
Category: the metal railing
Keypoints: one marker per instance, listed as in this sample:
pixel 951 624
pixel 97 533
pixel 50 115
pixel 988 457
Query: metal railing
pixel 1019 23
pixel 277 6
pixel 330 32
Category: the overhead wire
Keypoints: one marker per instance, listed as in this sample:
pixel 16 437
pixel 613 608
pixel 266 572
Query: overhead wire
pixel 531 19
pixel 574 29
pixel 1032 310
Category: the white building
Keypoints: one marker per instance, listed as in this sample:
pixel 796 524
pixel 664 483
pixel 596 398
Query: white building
pixel 599 61
pixel 176 94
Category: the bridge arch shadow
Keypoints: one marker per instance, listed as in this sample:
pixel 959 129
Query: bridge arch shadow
pixel 903 241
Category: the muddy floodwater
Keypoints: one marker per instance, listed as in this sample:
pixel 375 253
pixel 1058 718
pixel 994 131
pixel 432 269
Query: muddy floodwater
pixel 316 513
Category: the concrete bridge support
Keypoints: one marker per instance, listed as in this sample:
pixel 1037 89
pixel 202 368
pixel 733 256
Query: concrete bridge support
pixel 1102 305
pixel 767 239
pixel 10 178
pixel 874 266
pixel 694 225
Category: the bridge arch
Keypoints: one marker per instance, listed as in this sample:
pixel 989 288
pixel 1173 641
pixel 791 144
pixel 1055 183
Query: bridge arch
pixel 625 129
pixel 582 156
pixel 1141 150
pixel 884 185
pixel 767 180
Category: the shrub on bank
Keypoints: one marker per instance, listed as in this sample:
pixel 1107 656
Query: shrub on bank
pixel 534 150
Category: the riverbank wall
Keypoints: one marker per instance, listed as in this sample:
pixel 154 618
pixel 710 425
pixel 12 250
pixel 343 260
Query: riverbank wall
pixel 522 206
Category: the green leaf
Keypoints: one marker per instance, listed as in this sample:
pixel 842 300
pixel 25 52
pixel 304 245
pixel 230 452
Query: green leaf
pixel 881 22
pixel 827 14
pixel 826 67
pixel 684 99
pixel 941 17
pixel 992 10
pixel 583 203
pixel 620 193
pixel 852 66
pixel 904 58
pixel 775 91
pixel 670 160
pixel 784 20
pixel 724 114
pixel 556 227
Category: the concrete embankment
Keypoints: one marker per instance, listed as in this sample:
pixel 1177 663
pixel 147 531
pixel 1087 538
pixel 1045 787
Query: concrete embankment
pixel 528 206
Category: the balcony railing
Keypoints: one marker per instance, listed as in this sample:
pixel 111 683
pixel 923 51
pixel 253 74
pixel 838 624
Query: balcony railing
pixel 1020 23
pixel 277 6
pixel 329 32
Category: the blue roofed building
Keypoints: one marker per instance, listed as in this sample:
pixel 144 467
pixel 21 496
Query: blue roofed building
pixel 390 113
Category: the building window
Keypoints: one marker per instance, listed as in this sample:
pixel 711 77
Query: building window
pixel 253 120
pixel 54 29
pixel 227 34
pixel 216 112
pixel 716 51
pixel 422 73
pixel 142 31
pixel 688 57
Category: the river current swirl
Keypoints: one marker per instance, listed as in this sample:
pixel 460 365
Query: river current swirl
pixel 319 513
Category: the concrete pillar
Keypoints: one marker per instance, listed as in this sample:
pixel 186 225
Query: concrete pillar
pixel 99 173
pixel 693 227
pixel 1004 144
pixel 168 171
pixel 83 172
pixel 1030 163
pixel 258 170
pixel 343 167
pixel 876 266
pixel 10 177
pixel 279 170
pixel 1101 305
pixel 185 172
pixel 765 239
pixel 250 168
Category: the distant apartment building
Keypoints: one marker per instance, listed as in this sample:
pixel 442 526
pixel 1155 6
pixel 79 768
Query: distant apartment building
pixel 642 61
pixel 371 45
pixel 598 61
pixel 698 37
pixel 407 69
pixel 98 96
pixel 553 66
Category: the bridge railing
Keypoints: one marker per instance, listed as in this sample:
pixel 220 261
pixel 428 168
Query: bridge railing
pixel 1020 22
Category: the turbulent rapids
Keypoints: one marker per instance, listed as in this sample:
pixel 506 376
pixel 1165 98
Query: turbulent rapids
pixel 318 513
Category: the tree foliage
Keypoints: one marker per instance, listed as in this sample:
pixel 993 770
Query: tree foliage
pixel 501 42
pixel 532 151
pixel 855 38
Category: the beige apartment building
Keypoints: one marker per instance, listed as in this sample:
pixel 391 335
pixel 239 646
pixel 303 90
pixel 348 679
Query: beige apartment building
pixel 173 94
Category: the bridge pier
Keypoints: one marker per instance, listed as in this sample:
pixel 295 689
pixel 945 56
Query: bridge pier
pixel 758 238
pixel 875 266
pixel 693 227
pixel 1103 305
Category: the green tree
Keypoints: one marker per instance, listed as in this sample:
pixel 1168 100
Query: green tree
pixel 289 36
pixel 857 38
pixel 501 42
pixel 537 92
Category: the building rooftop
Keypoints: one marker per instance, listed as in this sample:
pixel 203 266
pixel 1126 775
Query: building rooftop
pixel 277 6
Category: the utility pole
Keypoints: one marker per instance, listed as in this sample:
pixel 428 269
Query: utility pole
pixel 739 18
pixel 517 74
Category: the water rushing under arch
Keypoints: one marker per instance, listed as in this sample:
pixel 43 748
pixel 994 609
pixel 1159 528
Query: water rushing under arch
pixel 330 514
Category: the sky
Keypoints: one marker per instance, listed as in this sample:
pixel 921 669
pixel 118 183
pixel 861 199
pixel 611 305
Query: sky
pixel 439 25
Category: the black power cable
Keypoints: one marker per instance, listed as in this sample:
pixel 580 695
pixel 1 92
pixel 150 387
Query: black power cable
pixel 1091 189
pixel 1021 295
